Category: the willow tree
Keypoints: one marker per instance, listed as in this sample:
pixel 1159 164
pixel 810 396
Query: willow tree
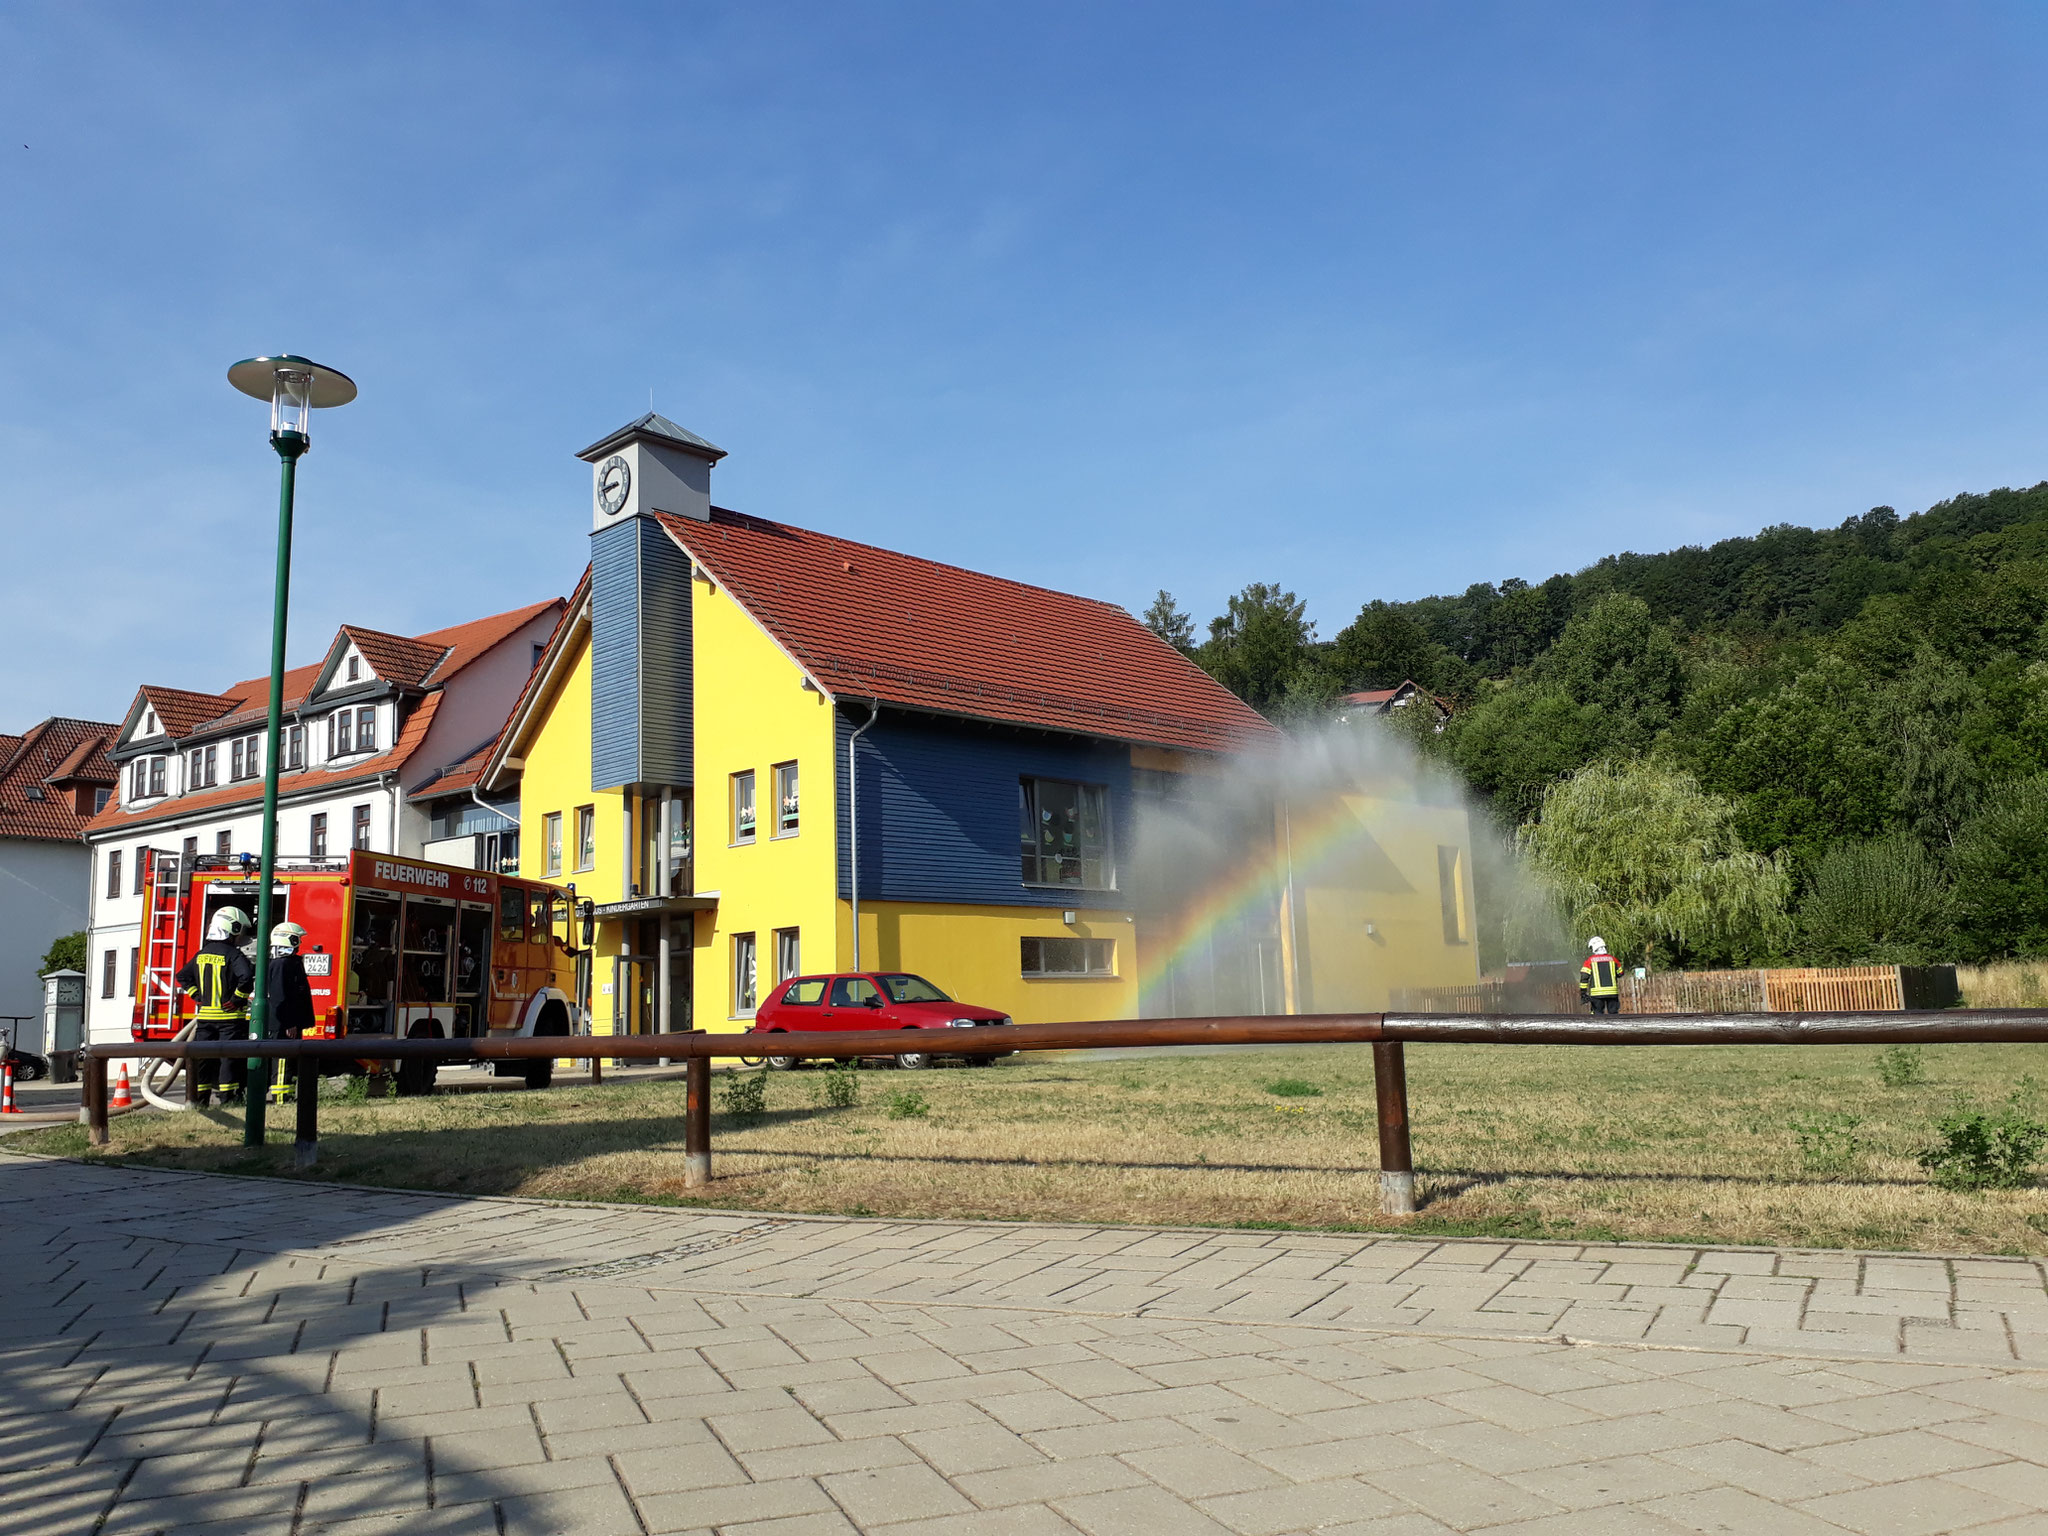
pixel 1642 856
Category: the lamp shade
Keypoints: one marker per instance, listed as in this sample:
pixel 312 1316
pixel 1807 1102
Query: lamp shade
pixel 294 386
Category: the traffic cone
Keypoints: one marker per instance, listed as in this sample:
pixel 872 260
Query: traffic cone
pixel 7 1089
pixel 121 1099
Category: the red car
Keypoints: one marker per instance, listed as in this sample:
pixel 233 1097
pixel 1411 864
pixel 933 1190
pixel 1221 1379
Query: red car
pixel 869 1000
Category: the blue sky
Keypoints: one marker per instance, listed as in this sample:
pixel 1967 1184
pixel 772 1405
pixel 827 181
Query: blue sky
pixel 1368 300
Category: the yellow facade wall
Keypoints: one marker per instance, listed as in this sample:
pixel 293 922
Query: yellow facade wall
pixel 972 954
pixel 753 712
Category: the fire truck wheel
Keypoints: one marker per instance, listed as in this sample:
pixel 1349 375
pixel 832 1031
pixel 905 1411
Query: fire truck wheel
pixel 540 1073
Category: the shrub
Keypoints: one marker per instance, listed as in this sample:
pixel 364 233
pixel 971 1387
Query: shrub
pixel 1901 1066
pixel 907 1104
pixel 1827 1143
pixel 2002 871
pixel 838 1088
pixel 1882 902
pixel 64 954
pixel 355 1089
pixel 1975 1150
pixel 745 1095
pixel 1293 1088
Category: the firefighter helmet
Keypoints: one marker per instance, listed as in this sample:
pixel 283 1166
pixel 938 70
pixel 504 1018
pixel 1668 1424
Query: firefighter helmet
pixel 286 936
pixel 228 923
pixel 1596 944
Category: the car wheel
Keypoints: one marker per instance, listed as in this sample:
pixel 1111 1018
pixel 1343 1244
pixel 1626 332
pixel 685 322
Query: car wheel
pixel 914 1061
pixel 783 1063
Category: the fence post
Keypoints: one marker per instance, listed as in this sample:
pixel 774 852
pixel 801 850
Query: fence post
pixel 306 1143
pixel 96 1101
pixel 697 1121
pixel 1397 1160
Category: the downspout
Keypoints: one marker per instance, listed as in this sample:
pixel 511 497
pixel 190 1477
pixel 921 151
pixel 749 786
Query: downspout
pixel 853 822
pixel 491 808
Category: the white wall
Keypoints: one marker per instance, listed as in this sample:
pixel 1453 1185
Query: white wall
pixel 42 898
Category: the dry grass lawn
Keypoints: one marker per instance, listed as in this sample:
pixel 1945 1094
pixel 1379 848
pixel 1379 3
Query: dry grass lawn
pixel 1691 1144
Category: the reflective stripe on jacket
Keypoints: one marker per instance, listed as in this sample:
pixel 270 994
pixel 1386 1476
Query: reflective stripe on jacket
pixel 221 978
pixel 1600 977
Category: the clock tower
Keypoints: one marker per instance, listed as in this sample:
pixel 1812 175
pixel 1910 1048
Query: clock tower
pixel 649 465
pixel 640 631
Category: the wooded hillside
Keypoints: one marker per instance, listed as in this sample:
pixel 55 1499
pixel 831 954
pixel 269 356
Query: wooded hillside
pixel 1864 707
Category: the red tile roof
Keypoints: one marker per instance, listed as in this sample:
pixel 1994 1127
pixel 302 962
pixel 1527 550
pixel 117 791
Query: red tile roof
pixel 249 703
pixel 88 761
pixel 39 755
pixel 295 781
pixel 394 658
pixel 180 711
pixel 871 623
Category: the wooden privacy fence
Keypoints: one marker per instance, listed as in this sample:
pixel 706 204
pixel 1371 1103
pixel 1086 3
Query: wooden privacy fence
pixel 1387 1033
pixel 1804 989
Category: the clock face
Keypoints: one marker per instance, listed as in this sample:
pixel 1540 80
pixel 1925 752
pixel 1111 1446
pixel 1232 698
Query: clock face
pixel 614 480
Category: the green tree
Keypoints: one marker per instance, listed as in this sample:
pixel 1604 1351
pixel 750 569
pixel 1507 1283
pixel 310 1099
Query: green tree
pixel 1258 644
pixel 1936 779
pixel 1384 647
pixel 1880 902
pixel 2002 872
pixel 1638 853
pixel 65 954
pixel 1617 659
pixel 1517 741
pixel 1166 620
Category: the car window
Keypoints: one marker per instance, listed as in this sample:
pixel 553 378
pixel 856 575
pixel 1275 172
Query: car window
pixel 806 991
pixel 903 988
pixel 853 992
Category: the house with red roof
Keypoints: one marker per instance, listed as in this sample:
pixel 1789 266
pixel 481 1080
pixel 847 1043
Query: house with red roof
pixel 374 736
pixel 54 777
pixel 757 750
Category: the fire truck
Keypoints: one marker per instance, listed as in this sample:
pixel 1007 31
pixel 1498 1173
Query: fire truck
pixel 392 947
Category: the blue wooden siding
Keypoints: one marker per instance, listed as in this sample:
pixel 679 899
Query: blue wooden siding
pixel 640 662
pixel 938 808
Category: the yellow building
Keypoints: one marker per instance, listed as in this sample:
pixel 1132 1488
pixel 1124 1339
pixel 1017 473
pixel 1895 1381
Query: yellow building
pixel 759 751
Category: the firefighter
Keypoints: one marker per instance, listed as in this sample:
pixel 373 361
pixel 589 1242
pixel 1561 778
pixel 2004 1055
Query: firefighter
pixel 1600 978
pixel 220 978
pixel 290 999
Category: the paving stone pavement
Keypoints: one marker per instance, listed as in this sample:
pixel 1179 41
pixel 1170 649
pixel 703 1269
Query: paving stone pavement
pixel 213 1355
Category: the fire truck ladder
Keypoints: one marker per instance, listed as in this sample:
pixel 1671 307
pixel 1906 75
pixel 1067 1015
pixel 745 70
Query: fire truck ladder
pixel 166 884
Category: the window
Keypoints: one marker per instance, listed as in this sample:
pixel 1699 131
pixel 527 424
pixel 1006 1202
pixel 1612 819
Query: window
pixel 200 764
pixel 134 969
pixel 1450 886
pixel 139 862
pixel 743 976
pixel 341 733
pixel 743 807
pixel 905 988
pixel 295 746
pixel 807 993
pixel 366 728
pixel 107 974
pixel 355 668
pixel 156 776
pixel 100 797
pixel 785 799
pixel 552 824
pixel 114 873
pixel 511 914
pixel 586 837
pixel 854 992
pixel 245 758
pixel 788 953
pixel 191 855
pixel 149 725
pixel 540 649
pixel 1069 957
pixel 359 827
pixel 316 836
pixel 224 844
pixel 1065 831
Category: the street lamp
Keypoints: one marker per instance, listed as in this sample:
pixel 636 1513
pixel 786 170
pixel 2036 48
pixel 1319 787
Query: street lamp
pixel 295 388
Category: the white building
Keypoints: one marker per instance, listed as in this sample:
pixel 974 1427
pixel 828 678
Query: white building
pixel 54 778
pixel 370 735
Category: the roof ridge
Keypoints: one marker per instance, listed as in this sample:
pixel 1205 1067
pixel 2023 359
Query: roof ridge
pixel 944 565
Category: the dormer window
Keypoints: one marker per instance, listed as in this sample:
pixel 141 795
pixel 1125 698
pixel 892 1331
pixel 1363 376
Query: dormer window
pixel 149 725
pixel 202 768
pixel 355 668
pixel 352 730
pixel 145 778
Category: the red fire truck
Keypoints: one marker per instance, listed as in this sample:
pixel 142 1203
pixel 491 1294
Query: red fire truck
pixel 392 946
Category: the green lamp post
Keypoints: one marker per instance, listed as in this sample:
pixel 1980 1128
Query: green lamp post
pixel 295 388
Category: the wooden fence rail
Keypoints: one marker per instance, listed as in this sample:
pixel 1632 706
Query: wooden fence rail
pixel 1802 989
pixel 1387 1033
